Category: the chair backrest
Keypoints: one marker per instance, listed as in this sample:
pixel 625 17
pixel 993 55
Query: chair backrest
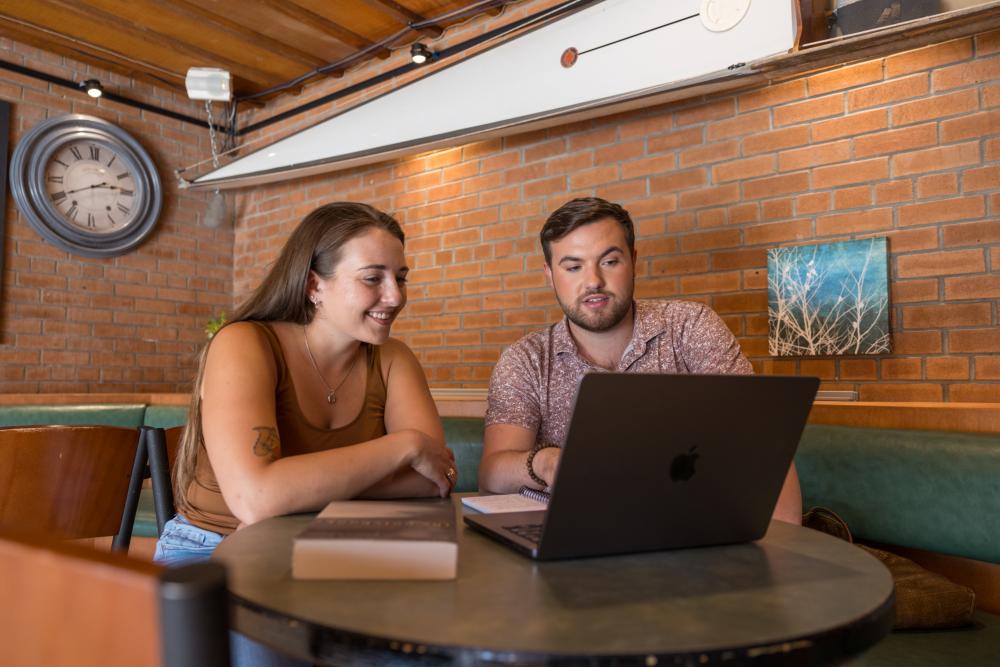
pixel 65 604
pixel 66 481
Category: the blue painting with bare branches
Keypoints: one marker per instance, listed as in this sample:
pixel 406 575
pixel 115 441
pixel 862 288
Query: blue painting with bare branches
pixel 828 299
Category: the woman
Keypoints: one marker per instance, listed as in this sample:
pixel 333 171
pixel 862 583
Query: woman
pixel 303 398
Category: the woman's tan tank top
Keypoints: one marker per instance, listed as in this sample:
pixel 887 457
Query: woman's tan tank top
pixel 208 509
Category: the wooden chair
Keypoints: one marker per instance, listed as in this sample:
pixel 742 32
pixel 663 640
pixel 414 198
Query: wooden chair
pixel 70 482
pixel 65 604
pixel 161 448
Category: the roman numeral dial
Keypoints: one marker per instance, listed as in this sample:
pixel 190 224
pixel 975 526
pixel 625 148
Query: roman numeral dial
pixel 85 185
pixel 92 186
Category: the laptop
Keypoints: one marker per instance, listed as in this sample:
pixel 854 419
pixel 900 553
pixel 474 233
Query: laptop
pixel 654 462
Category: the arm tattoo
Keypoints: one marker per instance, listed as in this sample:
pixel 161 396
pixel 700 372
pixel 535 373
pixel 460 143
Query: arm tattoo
pixel 267 442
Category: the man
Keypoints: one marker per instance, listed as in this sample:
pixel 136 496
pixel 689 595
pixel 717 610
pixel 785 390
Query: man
pixel 589 247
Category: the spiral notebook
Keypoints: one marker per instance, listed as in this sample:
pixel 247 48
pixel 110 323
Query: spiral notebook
pixel 525 500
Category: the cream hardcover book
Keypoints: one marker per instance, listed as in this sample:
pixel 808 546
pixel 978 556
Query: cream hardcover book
pixel 379 539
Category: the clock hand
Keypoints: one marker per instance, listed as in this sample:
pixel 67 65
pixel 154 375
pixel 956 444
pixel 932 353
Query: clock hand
pixel 106 186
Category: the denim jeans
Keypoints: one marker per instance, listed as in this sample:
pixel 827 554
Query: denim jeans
pixel 182 543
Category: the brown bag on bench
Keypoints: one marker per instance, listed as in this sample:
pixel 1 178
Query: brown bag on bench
pixel 924 600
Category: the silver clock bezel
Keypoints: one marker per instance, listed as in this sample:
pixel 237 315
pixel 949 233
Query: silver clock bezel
pixel 29 164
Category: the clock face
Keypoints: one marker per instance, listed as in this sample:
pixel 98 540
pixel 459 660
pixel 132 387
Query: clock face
pixel 86 185
pixel 92 186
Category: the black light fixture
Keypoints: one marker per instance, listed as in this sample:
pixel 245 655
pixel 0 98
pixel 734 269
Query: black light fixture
pixel 92 87
pixel 420 54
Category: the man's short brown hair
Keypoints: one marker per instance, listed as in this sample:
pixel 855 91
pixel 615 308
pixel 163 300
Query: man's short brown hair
pixel 584 211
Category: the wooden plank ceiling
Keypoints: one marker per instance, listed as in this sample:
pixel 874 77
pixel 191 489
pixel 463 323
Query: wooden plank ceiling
pixel 262 43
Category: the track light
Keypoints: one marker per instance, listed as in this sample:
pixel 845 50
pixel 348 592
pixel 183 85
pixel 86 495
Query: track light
pixel 92 87
pixel 420 54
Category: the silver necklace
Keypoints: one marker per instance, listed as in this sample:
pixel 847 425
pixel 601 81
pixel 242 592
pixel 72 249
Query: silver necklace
pixel 331 393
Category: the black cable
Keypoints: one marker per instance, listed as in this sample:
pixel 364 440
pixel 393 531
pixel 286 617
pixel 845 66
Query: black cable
pixel 596 48
pixel 402 69
pixel 67 83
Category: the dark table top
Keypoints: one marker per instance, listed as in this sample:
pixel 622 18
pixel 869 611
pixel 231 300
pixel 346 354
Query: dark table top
pixel 797 593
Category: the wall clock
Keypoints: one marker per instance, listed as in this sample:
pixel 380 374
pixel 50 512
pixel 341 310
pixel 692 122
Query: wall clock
pixel 86 185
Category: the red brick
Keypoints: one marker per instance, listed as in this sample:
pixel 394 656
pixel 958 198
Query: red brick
pixel 723 194
pixel 713 282
pixel 778 232
pixel 896 141
pixel 678 180
pixel 847 76
pixel 812 203
pixel 697 242
pixel 725 150
pixel 776 209
pixel 928 57
pixel 900 369
pixel 946 316
pixel 936 159
pixel 851 125
pixel 983 178
pixel 679 264
pixel 857 369
pixel 674 140
pixel 747 123
pixel 908 291
pixel 972 126
pixel 900 392
pixel 978 287
pixel 974 393
pixel 744 302
pixel 713 110
pixel 987 368
pixel 801 112
pixel 713 217
pixel 620 152
pixel 947 368
pixel 911 240
pixel 774 140
pixel 739 259
pixel 859 221
pixel 855 197
pixel 940 264
pixel 744 213
pixel 803 158
pixel 893 192
pixel 917 342
pixel 647 166
pixel 776 185
pixel 942 210
pixel 861 171
pixel 937 185
pixel 772 95
pixel 888 92
pixel 745 168
pixel 968 73
pixel 937 106
pixel 975 340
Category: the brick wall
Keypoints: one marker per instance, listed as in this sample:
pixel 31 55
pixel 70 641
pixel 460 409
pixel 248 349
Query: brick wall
pixel 906 146
pixel 130 323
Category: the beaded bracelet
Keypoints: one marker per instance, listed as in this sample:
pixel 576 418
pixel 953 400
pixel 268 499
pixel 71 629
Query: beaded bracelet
pixel 531 457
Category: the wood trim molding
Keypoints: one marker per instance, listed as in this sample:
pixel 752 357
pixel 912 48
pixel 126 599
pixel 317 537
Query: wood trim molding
pixel 94 399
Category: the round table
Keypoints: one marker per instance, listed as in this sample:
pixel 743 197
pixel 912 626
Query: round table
pixel 796 596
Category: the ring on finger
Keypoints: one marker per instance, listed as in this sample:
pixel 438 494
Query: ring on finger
pixel 451 474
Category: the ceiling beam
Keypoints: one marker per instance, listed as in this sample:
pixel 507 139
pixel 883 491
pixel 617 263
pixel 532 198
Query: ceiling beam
pixel 90 15
pixel 47 40
pixel 324 25
pixel 199 13
pixel 406 15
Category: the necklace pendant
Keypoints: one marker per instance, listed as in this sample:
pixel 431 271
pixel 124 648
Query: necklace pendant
pixel 331 398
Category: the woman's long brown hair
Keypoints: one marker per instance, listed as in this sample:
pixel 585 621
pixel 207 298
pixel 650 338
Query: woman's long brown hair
pixel 315 245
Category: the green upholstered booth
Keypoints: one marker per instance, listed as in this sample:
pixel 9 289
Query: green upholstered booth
pixel 127 416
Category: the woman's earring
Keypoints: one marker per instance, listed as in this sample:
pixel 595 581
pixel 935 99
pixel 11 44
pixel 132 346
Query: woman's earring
pixel 315 301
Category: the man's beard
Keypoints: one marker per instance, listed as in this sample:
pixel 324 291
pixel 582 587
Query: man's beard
pixel 597 323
